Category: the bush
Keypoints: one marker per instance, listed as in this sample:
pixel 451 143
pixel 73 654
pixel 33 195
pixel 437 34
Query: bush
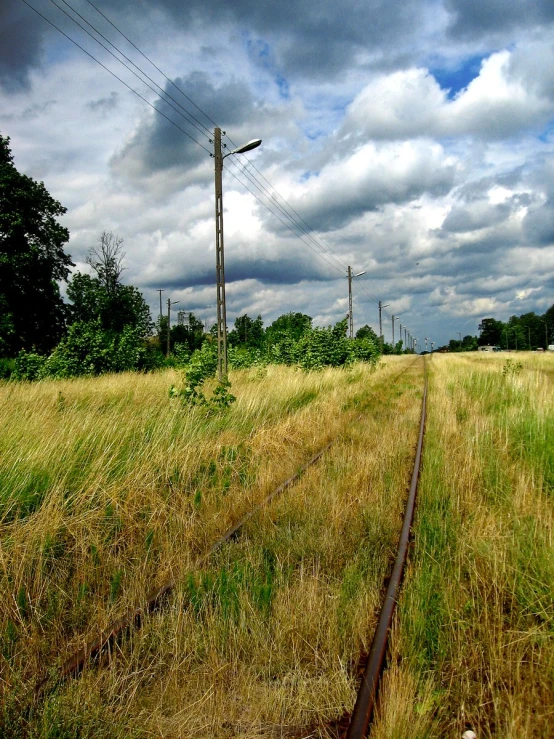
pixel 28 366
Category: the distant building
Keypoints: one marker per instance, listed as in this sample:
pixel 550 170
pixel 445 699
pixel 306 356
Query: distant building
pixel 489 349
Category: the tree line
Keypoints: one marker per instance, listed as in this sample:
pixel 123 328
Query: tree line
pixel 527 332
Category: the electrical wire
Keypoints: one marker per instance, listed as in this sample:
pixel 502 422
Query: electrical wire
pixel 151 62
pixel 185 114
pixel 115 75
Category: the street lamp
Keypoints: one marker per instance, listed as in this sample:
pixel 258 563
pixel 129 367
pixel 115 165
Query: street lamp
pixel 219 251
pixel 395 318
pixel 350 314
pixel 381 306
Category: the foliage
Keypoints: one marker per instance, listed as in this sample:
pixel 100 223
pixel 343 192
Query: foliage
pixel 511 368
pixel 32 261
pixel 242 357
pixel 203 366
pixel 291 325
pixel 190 334
pixel 366 332
pixel 247 332
pixel 87 349
pixel 115 308
pixel 490 332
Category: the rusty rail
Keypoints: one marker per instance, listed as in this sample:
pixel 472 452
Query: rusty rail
pixel 367 693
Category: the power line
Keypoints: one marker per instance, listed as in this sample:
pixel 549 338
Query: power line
pixel 185 114
pixel 115 75
pixel 282 221
pixel 152 63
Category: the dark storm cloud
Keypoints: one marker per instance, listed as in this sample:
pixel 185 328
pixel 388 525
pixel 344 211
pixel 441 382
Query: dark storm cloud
pixel 21 33
pixel 315 38
pixel 288 269
pixel 478 17
pixel 539 224
pixel 158 145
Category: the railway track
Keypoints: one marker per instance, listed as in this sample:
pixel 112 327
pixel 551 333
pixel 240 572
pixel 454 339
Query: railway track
pixel 354 725
pixel 360 719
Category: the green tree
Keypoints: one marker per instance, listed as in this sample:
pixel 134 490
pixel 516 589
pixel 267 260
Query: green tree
pixel 32 261
pixel 293 325
pixel 366 332
pixel 190 334
pixel 491 332
pixel 122 305
pixel 248 332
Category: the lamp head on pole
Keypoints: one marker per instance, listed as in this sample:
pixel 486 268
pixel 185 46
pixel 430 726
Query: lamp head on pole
pixel 253 144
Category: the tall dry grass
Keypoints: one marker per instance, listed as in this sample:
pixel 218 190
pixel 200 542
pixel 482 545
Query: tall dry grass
pixel 474 637
pixel 109 488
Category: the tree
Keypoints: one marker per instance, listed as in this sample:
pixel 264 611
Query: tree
pixel 247 332
pixel 32 261
pixel 116 307
pixel 190 334
pixel 106 260
pixel 366 332
pixel 293 325
pixel 491 332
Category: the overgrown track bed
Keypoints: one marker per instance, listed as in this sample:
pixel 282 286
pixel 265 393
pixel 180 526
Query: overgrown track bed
pixel 214 651
pixel 472 645
pixel 360 720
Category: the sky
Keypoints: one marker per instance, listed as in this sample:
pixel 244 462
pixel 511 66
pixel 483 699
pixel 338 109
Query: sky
pixel 409 139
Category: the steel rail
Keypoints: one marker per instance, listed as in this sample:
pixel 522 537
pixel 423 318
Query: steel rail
pixel 367 693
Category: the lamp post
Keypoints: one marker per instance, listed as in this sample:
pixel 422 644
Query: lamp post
pixel 395 318
pixel 381 306
pixel 161 290
pixel 350 314
pixel 219 250
pixel 169 304
pixel 426 340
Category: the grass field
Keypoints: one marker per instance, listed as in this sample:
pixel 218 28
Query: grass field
pixel 110 488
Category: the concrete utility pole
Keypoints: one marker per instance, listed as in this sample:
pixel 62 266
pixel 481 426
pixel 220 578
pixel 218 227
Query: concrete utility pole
pixel 432 346
pixel 350 312
pixel 381 338
pixel 350 317
pixel 161 290
pixel 426 340
pixel 405 337
pixel 220 261
pixel 219 249
pixel 169 304
pixel 393 320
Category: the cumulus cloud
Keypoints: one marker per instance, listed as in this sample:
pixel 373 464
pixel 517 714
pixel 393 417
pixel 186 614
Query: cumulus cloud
pixel 510 94
pixel 372 177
